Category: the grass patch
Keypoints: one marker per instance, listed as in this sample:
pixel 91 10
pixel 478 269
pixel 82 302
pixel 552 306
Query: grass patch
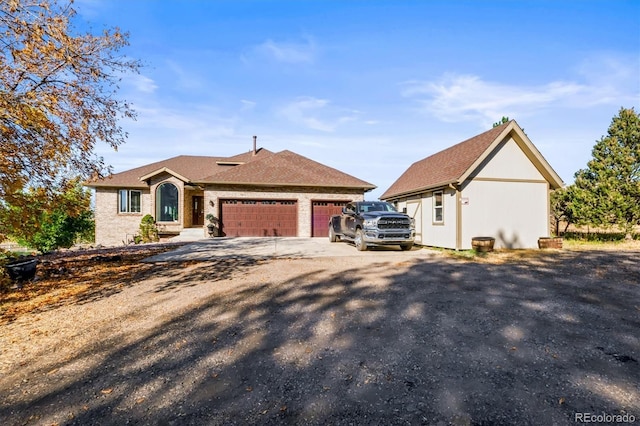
pixel 462 254
pixel 583 244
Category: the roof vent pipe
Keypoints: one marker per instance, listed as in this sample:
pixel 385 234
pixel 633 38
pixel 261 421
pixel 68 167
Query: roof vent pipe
pixel 254 145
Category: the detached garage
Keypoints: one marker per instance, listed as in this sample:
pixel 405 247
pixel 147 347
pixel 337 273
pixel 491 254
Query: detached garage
pixel 258 193
pixel 495 184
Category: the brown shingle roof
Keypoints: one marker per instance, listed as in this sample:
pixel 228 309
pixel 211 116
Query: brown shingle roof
pixel 192 167
pixel 245 157
pixel 288 168
pixel 263 168
pixel 444 167
pixel 189 166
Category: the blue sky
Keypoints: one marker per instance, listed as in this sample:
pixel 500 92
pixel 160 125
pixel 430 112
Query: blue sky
pixel 369 87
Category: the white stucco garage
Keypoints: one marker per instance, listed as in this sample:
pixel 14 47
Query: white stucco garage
pixel 495 184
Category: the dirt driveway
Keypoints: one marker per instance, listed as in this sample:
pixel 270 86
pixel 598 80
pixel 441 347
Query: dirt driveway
pixel 381 338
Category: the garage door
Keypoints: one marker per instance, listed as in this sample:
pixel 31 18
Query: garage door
pixel 259 218
pixel 320 214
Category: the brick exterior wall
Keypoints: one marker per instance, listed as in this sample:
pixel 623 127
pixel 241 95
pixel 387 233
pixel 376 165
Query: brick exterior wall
pixel 304 196
pixel 114 228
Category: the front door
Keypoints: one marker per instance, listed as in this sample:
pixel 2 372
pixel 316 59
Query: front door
pixel 197 210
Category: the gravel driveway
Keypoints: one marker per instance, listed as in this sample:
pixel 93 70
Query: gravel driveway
pixel 274 247
pixel 381 338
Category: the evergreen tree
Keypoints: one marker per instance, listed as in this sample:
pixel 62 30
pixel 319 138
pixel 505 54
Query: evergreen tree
pixel 608 190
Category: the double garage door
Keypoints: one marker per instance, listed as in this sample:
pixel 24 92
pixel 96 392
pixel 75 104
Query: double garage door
pixel 264 218
pixel 259 218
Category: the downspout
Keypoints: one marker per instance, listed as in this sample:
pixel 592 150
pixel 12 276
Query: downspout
pixel 458 216
pixel 548 233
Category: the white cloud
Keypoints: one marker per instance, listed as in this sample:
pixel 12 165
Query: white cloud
pixel 316 114
pixel 161 132
pixel 197 124
pixel 184 77
pixel 288 52
pixel 458 97
pixel 602 68
pixel 247 105
pixel 613 79
pixel 141 83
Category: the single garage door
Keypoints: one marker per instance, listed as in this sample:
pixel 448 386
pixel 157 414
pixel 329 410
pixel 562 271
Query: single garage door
pixel 321 212
pixel 259 218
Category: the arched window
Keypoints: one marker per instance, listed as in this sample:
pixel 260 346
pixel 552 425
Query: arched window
pixel 167 203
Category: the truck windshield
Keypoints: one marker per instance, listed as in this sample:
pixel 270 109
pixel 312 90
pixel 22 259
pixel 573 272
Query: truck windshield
pixel 375 206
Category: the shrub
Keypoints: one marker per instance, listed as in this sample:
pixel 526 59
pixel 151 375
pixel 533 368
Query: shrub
pixel 598 236
pixel 46 224
pixel 148 229
pixel 58 229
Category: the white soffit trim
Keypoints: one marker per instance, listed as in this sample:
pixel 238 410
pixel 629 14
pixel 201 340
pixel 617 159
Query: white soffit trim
pixel 165 170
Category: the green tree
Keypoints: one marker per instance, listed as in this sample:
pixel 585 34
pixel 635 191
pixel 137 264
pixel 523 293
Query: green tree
pixel 608 190
pixel 501 121
pixel 58 99
pixel 571 206
pixel 560 211
pixel 59 230
pixel 48 229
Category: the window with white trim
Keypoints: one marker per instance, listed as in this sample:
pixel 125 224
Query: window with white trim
pixel 438 207
pixel 129 201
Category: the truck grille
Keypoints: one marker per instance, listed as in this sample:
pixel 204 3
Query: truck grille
pixel 394 223
pixel 394 236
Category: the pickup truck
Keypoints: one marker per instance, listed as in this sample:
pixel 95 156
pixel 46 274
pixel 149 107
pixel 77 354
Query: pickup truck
pixel 369 223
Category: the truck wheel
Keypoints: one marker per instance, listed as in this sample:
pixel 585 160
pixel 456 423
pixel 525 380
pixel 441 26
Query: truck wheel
pixel 332 234
pixel 405 247
pixel 359 240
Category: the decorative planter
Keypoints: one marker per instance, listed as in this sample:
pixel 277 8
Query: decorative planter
pixel 213 227
pixel 482 244
pixel 212 230
pixel 550 242
pixel 22 270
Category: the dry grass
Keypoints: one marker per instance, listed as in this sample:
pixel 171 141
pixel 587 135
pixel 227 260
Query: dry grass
pixel 595 245
pixel 77 277
pixel 500 256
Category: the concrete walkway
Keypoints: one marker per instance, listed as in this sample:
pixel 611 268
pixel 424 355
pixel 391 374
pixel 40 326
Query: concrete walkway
pixel 270 247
